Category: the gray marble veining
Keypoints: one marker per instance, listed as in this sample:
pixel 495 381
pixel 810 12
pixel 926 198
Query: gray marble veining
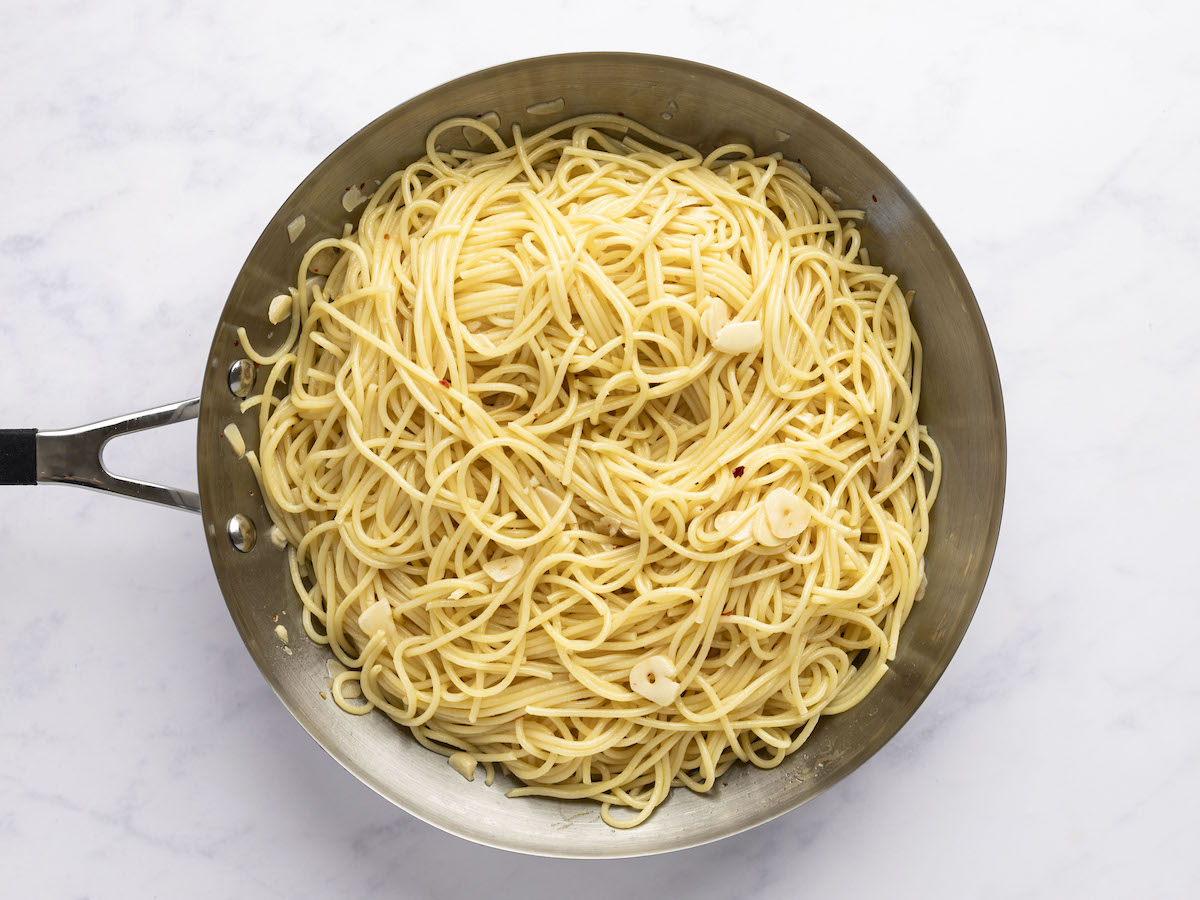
pixel 145 146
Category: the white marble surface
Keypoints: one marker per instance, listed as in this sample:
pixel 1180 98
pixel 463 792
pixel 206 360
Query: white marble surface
pixel 1056 145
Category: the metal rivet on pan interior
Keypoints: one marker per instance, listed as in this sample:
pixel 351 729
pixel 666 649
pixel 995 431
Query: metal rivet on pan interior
pixel 241 378
pixel 241 533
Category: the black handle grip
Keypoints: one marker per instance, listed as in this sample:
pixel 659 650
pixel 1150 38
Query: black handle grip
pixel 18 456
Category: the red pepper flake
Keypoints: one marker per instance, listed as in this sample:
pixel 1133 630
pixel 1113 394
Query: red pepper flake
pixel 363 185
pixel 874 199
pixel 443 382
pixel 236 344
pixel 387 237
pixel 252 493
pixel 322 693
pixel 621 114
pixel 739 471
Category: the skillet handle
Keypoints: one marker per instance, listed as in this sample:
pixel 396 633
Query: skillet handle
pixel 76 456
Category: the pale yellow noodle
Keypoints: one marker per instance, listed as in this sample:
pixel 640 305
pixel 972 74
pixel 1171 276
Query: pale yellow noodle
pixel 508 359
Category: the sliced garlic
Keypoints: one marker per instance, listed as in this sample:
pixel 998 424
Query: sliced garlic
pixel 503 569
pixel 760 529
pixel 552 502
pixel 464 764
pixel 280 309
pixel 654 679
pixel 351 690
pixel 377 617
pixel 608 525
pixel 295 228
pixel 714 318
pixel 281 633
pixel 278 538
pixel 475 138
pixel 739 337
pixel 832 198
pixel 797 168
pixel 352 198
pixel 547 107
pixel 323 261
pixel 885 469
pixel 786 514
pixel 234 435
pixel 734 524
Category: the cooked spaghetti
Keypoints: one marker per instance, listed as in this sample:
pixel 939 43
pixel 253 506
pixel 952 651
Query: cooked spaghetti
pixel 598 457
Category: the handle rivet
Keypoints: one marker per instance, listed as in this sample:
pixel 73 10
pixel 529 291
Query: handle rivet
pixel 241 533
pixel 241 378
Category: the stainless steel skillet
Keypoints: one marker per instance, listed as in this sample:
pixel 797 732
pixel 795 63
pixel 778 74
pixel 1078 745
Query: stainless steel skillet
pixel 961 404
